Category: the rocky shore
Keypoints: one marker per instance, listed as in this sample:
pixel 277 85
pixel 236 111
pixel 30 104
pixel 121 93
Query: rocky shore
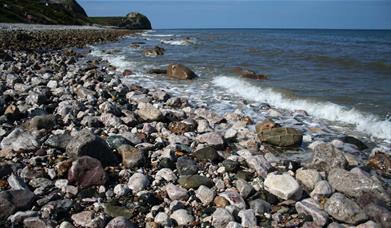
pixel 81 149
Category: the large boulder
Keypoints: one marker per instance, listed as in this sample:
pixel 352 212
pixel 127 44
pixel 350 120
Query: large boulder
pixel 180 71
pixel 135 20
pixel 284 137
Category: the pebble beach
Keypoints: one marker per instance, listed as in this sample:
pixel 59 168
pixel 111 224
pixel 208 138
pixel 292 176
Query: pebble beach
pixel 82 146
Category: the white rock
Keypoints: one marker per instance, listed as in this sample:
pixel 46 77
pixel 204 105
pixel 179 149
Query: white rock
pixel 230 134
pixel 283 186
pixel 233 225
pixel 175 192
pixel 244 188
pixel 308 177
pixel 138 182
pixel 162 219
pixel 61 183
pixel 182 217
pixel 166 174
pixel 248 218
pixel 205 194
pixel 121 190
pixel 66 224
pixel 221 217
pixel 322 189
pixel 234 198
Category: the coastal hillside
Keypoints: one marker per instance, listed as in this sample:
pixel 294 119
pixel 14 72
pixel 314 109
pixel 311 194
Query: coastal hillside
pixel 42 11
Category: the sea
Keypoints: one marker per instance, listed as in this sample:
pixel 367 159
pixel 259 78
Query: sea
pixel 340 78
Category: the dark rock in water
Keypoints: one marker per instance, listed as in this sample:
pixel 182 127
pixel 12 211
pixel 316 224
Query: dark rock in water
pixel 284 137
pixel 179 71
pixel 120 222
pixel 326 157
pixel 131 156
pixel 86 143
pixel 135 20
pixel 153 52
pixel 127 73
pixel 231 166
pixel 58 141
pixel 344 209
pixel 87 171
pixel 186 166
pixel 14 200
pixel 208 153
pixel 381 162
pixel 157 71
pixel 351 140
pixel 42 122
pixel 195 181
pixel 248 73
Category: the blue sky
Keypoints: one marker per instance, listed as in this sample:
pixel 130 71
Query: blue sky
pixel 334 14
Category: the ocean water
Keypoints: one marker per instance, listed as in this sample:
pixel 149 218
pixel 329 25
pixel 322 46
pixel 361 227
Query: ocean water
pixel 341 78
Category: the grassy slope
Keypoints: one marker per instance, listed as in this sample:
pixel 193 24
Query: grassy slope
pixel 52 14
pixel 108 21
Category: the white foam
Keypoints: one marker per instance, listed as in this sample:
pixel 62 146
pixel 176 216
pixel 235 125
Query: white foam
pixel 178 42
pixel 365 123
pixel 157 35
pixel 119 61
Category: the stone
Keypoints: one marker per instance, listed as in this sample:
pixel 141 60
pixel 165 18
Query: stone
pixel 283 137
pixel 166 174
pixel 369 224
pixel 351 140
pixel 42 122
pixel 117 211
pixel 354 185
pixel 116 141
pixel 19 216
pixel 153 52
pixel 14 200
pixel 66 224
pixel 211 138
pixel 131 156
pixel 381 162
pixel 179 127
pixel 326 156
pixel 194 181
pixel 233 225
pixel 257 162
pixel 264 125
pixel 34 222
pixel 248 73
pixel 344 209
pixel 248 218
pixel 85 143
pixel 221 217
pixel 220 201
pixel 205 195
pixel 230 165
pixel 179 71
pixel 234 198
pixel 378 213
pixel 138 182
pixel 283 186
pixel 176 193
pixel 182 217
pixel 19 141
pixel 135 20
pixel 244 188
pixel 58 141
pixel 83 219
pixel 120 190
pixel 186 166
pixel 208 153
pixel 16 183
pixel 120 222
pixel 322 189
pixel 5 169
pixel 148 112
pixel 162 219
pixel 312 208
pixel 308 178
pixel 260 206
pixel 230 134
pixel 87 171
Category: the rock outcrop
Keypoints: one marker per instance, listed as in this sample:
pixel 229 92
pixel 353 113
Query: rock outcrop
pixel 135 20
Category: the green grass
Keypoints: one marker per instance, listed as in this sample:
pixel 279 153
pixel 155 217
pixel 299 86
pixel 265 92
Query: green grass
pixel 108 21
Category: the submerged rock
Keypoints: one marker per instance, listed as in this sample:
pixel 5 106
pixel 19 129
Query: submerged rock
pixel 153 52
pixel 179 71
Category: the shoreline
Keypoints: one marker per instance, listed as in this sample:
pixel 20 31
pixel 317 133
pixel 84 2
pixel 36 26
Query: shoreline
pixel 75 139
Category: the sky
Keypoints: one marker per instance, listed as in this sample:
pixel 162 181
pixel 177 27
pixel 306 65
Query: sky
pixel 330 14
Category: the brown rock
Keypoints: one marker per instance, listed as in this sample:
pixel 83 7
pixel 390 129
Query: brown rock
pixel 87 171
pixel 266 124
pixel 381 162
pixel 180 71
pixel 179 127
pixel 127 72
pixel 248 73
pixel 220 202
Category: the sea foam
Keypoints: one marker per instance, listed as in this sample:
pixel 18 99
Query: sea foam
pixel 178 42
pixel 365 123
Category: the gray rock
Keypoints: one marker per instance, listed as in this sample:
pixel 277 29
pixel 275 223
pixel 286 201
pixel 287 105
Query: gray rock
pixel 234 225
pixel 86 143
pixel 208 153
pixel 234 199
pixel 176 193
pixel 244 188
pixel 148 112
pixel 205 194
pixel 182 217
pixel 42 122
pixel 87 171
pixel 248 218
pixel 34 222
pixel 138 182
pixel 257 162
pixel 162 219
pixel 284 137
pixel 186 166
pixel 344 209
pixel 66 224
pixel 322 189
pixel 378 213
pixel 260 206
pixel 221 217
pixel 166 174
pixel 212 139
pixel 16 183
pixel 194 181
pixel 308 177
pixel 131 156
pixel 13 200
pixel 312 208
pixel 369 224
pixel 283 186
pixel 19 216
pixel 326 156
pixel 58 141
pixel 354 185
pixel 19 140
pixel 86 219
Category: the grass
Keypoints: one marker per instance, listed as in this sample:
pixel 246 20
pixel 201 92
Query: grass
pixel 108 21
